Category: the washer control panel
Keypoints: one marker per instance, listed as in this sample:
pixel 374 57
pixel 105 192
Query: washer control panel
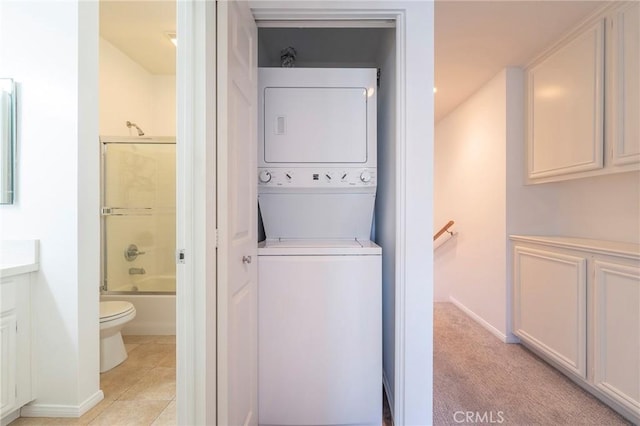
pixel 316 178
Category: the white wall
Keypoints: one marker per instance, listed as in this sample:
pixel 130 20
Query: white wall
pixel 163 105
pixel 385 213
pixel 480 169
pixel 470 170
pixel 50 49
pixel 602 207
pixel 128 92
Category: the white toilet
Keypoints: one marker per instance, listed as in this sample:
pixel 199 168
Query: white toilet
pixel 113 316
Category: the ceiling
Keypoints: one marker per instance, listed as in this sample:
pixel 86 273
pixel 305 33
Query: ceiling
pixel 139 29
pixel 474 40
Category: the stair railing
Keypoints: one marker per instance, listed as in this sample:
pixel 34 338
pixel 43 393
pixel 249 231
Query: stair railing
pixel 443 230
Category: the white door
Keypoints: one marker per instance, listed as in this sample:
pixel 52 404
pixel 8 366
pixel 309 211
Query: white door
pixel 237 214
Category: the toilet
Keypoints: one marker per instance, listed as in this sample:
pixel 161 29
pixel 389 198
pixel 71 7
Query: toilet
pixel 113 316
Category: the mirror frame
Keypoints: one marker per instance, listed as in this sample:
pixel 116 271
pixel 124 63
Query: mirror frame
pixel 8 140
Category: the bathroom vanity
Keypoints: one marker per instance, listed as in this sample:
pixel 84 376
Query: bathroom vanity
pixel 18 262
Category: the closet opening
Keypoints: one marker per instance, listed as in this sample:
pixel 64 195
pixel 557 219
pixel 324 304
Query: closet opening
pixel 354 44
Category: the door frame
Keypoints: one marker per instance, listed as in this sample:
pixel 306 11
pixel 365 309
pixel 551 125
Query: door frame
pixel 196 199
pixel 196 212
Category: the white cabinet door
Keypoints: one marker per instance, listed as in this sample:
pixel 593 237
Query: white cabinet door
pixel 624 81
pixel 616 321
pixel 8 352
pixel 15 343
pixel 550 305
pixel 565 108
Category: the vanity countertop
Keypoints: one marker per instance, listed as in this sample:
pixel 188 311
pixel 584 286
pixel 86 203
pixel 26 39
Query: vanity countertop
pixel 18 257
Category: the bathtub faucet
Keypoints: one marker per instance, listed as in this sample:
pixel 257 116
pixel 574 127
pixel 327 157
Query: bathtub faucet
pixel 132 253
pixel 137 271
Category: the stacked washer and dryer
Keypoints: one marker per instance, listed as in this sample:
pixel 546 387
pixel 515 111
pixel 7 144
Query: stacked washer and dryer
pixel 319 297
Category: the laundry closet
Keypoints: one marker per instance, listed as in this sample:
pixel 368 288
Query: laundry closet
pixel 327 201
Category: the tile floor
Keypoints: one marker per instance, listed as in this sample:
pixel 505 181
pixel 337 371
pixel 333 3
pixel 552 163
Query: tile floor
pixel 140 391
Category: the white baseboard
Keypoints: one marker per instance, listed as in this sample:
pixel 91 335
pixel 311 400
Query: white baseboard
pixel 500 335
pixel 388 391
pixel 10 417
pixel 53 410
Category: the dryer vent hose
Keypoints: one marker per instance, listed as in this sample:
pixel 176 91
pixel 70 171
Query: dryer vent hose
pixel 288 57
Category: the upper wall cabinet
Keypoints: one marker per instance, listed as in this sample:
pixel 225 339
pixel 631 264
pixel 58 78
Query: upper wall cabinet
pixel 624 84
pixel 582 100
pixel 566 100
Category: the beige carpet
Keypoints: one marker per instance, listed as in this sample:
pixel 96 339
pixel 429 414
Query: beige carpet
pixel 480 380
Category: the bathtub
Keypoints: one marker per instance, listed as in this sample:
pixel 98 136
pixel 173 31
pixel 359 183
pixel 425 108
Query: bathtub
pixel 152 284
pixel 155 311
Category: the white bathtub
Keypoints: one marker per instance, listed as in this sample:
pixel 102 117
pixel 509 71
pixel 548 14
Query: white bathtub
pixel 153 284
pixel 155 313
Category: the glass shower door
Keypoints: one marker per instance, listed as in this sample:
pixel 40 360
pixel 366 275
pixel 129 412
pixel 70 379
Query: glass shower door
pixel 138 223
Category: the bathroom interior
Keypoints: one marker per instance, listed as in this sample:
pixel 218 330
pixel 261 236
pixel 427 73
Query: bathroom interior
pixel 137 137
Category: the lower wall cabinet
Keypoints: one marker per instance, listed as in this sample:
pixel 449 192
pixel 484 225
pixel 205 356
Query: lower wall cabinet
pixel 16 387
pixel 576 303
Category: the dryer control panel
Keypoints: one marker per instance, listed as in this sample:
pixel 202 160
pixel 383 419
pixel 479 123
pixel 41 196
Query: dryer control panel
pixel 322 177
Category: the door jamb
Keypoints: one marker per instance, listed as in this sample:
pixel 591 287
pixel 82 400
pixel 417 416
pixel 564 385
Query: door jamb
pixel 196 212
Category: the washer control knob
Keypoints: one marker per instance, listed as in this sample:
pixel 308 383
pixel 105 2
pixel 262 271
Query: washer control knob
pixel 365 176
pixel 264 176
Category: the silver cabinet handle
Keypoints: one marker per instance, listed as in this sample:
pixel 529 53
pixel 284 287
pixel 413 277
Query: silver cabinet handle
pixel 246 259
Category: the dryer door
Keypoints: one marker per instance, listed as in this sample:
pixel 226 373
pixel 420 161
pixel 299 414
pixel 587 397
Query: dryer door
pixel 315 125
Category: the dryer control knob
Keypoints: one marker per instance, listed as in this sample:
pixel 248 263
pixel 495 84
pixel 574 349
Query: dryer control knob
pixel 365 176
pixel 264 176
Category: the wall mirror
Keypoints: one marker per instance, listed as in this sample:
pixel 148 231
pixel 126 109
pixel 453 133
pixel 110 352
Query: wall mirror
pixel 7 140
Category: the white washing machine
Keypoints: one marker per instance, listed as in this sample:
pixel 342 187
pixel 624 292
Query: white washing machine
pixel 319 289
pixel 319 310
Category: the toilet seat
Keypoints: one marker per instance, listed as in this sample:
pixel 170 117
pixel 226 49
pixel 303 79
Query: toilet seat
pixel 112 310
